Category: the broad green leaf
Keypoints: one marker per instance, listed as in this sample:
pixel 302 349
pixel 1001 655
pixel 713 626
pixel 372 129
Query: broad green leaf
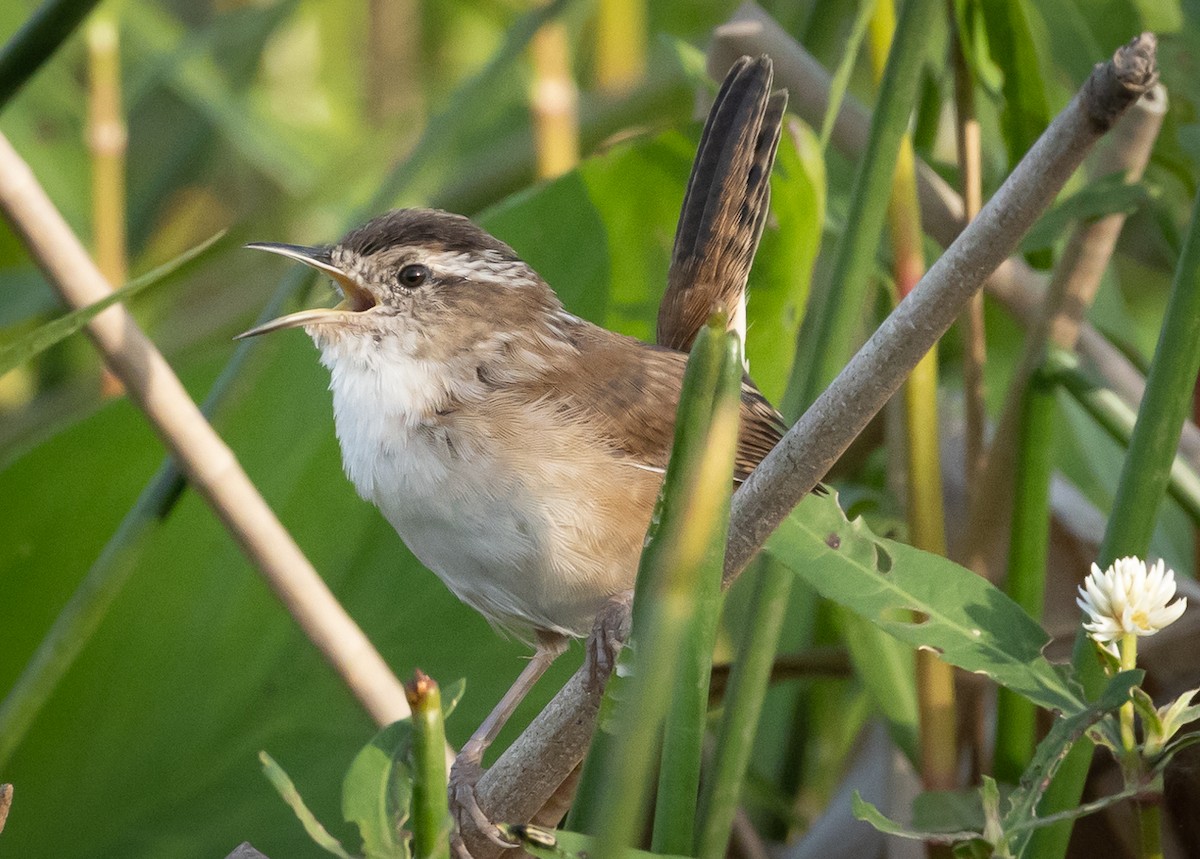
pixel 42 338
pixel 965 619
pixel 377 791
pixel 287 790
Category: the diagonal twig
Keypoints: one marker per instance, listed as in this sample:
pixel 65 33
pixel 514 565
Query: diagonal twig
pixel 209 464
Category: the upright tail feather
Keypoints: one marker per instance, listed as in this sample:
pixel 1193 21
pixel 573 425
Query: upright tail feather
pixel 726 203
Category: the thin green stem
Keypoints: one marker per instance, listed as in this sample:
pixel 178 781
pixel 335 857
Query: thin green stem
pixel 430 820
pixel 1128 650
pixel 1026 580
pixel 826 337
pixel 687 718
pixel 743 705
pixel 1116 418
pixel 1149 814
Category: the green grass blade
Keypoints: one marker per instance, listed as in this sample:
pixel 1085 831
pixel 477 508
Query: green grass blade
pixel 683 734
pixel 287 790
pixel 692 505
pixel 1117 419
pixel 826 336
pixel 42 35
pixel 743 704
pixel 42 338
pixel 1026 580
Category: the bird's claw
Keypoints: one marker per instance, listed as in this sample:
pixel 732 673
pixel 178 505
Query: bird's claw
pixel 609 635
pixel 464 805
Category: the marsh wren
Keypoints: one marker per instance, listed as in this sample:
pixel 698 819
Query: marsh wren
pixel 516 448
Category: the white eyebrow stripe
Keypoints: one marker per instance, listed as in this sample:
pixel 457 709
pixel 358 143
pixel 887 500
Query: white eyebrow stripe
pixel 480 265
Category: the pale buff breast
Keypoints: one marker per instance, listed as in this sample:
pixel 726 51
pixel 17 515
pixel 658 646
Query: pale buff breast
pixel 525 512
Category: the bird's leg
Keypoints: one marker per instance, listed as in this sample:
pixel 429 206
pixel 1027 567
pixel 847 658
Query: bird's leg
pixel 468 766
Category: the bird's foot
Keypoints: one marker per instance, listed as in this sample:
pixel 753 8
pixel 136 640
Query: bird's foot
pixel 464 805
pixel 608 637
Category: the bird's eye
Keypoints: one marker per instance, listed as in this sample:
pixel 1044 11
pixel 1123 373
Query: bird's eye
pixel 412 276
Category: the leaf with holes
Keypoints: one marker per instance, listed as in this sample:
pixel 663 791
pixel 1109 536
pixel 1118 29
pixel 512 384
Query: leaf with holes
pixel 922 599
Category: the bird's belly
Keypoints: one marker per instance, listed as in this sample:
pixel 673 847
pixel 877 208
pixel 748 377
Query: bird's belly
pixel 527 548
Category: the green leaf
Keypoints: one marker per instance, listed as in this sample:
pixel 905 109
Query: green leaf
pixel 865 811
pixel 40 339
pixel 377 791
pixel 973 37
pixel 1026 108
pixel 283 783
pixel 968 621
pixel 1021 819
pixel 1107 196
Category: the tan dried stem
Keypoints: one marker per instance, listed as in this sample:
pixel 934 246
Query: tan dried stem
pixel 107 142
pixel 1060 316
pixel 970 167
pixel 554 101
pixel 208 462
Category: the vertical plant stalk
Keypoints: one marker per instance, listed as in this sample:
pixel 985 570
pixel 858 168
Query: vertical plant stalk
pixel 926 517
pixel 394 61
pixel 692 508
pixel 827 334
pixel 107 139
pixel 969 142
pixel 554 101
pixel 683 735
pixel 431 823
pixel 620 45
pixel 36 41
pixel 208 462
pixel 743 704
pixel 1140 490
pixel 1071 292
pixel 1026 580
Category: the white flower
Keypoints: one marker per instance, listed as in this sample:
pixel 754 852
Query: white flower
pixel 1128 598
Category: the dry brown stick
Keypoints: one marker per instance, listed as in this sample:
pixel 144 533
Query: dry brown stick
pixel 1060 316
pixel 208 462
pixel 517 786
pixel 875 373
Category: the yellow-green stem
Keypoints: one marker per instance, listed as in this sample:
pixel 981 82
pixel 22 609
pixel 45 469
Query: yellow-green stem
pixel 1128 650
pixel 1150 829
pixel 935 679
pixel 554 101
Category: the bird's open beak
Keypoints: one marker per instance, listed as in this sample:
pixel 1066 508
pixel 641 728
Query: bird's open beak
pixel 355 299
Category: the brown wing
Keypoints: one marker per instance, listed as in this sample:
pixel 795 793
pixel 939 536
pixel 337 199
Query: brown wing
pixel 631 390
pixel 725 205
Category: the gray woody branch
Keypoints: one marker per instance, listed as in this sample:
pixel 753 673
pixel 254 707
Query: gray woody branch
pixel 529 772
